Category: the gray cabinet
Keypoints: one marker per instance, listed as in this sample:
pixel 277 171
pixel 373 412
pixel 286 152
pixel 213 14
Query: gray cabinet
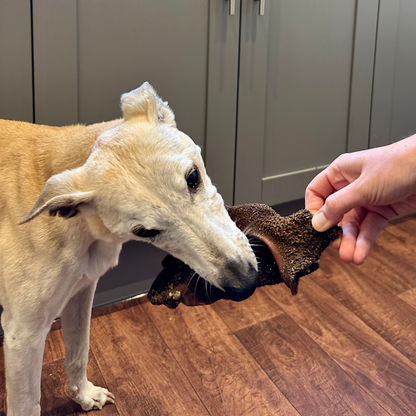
pixel 304 92
pixel 16 100
pixel 393 114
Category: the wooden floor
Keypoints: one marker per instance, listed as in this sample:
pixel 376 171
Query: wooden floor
pixel 345 345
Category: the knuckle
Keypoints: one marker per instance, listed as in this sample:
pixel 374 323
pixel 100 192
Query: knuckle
pixel 332 202
pixel 342 159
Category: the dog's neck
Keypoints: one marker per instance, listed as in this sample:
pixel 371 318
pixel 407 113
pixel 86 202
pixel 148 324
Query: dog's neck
pixel 68 147
pixel 100 232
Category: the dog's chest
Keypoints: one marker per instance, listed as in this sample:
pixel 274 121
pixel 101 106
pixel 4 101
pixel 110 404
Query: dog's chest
pixel 98 260
pixel 101 257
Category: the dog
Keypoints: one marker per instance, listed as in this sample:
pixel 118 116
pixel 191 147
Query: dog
pixel 135 178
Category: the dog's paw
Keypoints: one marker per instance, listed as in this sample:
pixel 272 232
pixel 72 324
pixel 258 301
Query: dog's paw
pixel 91 397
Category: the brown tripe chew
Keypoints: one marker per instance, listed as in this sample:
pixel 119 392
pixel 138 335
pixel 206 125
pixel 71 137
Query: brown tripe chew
pixel 287 249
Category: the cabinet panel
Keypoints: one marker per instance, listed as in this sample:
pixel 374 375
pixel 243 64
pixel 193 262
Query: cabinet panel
pixel 296 122
pixel 394 99
pixel 113 47
pixel 251 102
pixel 219 152
pixel 308 81
pixel 86 54
pixel 362 75
pixel 123 43
pixel 55 54
pixel 15 60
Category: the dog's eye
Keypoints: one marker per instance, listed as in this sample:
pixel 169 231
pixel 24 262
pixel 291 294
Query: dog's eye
pixel 145 232
pixel 192 179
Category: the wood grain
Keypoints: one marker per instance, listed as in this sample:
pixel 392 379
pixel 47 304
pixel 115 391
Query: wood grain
pixel 307 376
pixel 224 374
pixel 2 381
pixel 54 346
pixel 356 288
pixel 239 315
pixel 410 298
pixel 384 373
pixel 139 367
pixel 399 243
pixel 407 222
pixel 390 271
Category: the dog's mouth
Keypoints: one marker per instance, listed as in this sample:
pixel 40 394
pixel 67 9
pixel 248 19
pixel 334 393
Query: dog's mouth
pixel 268 259
pixel 286 249
pixel 178 283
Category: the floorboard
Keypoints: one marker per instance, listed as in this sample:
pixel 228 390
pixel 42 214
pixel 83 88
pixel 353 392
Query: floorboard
pixel 138 366
pixel 227 378
pixel 399 243
pixel 389 316
pixel 409 297
pixel 256 309
pixel 384 373
pixel 310 379
pixel 54 346
pixel 2 382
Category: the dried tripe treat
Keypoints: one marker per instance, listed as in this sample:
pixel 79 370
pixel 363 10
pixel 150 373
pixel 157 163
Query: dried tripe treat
pixel 286 248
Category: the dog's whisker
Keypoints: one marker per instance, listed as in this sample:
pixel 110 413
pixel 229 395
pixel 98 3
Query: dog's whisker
pixel 260 262
pixel 189 282
pixel 206 291
pixel 247 230
pixel 259 249
pixel 259 246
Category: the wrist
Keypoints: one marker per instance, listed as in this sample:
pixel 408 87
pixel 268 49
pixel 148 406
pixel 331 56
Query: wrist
pixel 409 143
pixel 406 158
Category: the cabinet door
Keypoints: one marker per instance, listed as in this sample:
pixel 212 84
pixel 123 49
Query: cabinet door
pixel 16 101
pixel 304 92
pixel 394 100
pixel 87 53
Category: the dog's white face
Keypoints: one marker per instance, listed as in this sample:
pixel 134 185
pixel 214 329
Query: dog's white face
pixel 146 180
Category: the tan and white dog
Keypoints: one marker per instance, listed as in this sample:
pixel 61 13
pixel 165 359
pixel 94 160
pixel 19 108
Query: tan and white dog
pixel 138 178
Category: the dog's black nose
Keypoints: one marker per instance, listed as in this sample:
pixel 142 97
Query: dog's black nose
pixel 239 286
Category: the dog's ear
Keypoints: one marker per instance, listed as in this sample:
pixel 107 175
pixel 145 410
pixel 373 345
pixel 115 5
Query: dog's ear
pixel 144 103
pixel 61 196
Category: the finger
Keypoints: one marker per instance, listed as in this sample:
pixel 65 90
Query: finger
pixel 370 227
pixel 317 191
pixel 348 242
pixel 337 243
pixel 322 185
pixel 350 229
pixel 338 204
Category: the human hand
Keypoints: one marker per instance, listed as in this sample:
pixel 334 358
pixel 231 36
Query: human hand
pixel 362 191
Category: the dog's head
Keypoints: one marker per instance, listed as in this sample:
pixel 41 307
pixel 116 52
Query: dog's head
pixel 146 180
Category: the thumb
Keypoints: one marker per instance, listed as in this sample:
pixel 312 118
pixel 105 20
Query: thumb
pixel 337 205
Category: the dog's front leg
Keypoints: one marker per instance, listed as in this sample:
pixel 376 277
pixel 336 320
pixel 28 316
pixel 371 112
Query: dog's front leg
pixel 24 343
pixel 76 328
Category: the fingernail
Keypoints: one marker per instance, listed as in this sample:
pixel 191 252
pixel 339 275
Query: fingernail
pixel 320 222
